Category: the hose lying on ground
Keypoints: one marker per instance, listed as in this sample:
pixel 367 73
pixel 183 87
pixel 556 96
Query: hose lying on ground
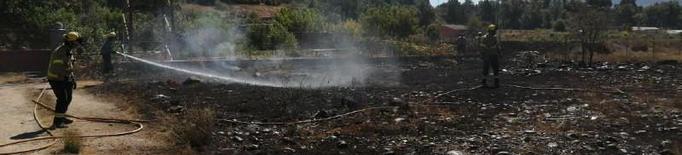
pixel 54 138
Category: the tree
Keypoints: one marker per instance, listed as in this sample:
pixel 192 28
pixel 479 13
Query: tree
pixel 391 21
pixel 666 14
pixel 433 33
pixel 474 23
pixel 600 4
pixel 488 10
pixel 533 17
pixel 454 12
pixel 588 24
pixel 512 12
pixel 559 25
pixel 625 13
pixel 300 20
pixel 426 13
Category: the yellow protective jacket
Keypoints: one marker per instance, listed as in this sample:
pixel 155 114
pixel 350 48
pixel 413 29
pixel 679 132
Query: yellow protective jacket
pixel 489 45
pixel 61 63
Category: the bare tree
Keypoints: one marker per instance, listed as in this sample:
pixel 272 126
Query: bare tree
pixel 588 25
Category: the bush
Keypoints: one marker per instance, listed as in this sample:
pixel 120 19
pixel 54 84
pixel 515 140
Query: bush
pixel 300 20
pixel 196 129
pixel 391 21
pixel 72 141
pixel 433 32
pixel 559 25
pixel 271 37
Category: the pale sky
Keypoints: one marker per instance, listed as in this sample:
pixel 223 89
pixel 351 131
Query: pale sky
pixel 435 3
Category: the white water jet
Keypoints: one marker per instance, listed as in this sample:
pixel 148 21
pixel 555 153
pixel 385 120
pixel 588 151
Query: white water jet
pixel 229 79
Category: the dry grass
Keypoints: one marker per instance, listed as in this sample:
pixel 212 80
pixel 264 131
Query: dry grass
pixel 623 56
pixel 195 129
pixel 11 77
pixel 72 141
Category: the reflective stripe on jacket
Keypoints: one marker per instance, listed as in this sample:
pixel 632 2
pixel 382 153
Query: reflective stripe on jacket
pixel 61 64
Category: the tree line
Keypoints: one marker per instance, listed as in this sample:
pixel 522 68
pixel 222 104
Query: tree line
pixel 546 14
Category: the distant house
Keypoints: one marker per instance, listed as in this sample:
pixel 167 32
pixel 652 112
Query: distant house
pixel 449 33
pixel 645 29
pixel 673 32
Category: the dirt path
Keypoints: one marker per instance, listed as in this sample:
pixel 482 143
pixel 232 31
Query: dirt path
pixel 18 123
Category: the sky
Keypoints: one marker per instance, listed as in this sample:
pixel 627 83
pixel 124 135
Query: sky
pixel 639 2
pixel 438 2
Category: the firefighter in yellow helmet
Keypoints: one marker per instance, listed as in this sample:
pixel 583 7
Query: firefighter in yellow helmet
pixel 60 75
pixel 106 51
pixel 490 53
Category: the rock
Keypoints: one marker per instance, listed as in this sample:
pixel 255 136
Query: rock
pixel 666 152
pixel 191 81
pixel 289 150
pixel 332 137
pixel 588 148
pixel 252 147
pixel 321 114
pixel 666 143
pixel 454 152
pixel 237 138
pixel 172 83
pixel 342 144
pixel 552 144
pixel 503 153
pixel 176 109
pixel 399 119
pixel 397 102
pixel 389 152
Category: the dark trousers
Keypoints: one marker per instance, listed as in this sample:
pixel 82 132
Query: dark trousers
pixel 63 90
pixel 491 61
pixel 107 67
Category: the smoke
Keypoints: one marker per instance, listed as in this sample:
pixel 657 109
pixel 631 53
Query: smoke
pixel 212 49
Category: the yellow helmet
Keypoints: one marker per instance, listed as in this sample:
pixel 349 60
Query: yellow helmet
pixel 110 35
pixel 72 36
pixel 492 27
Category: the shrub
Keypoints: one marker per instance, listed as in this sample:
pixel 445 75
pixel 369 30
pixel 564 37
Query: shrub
pixel 391 21
pixel 270 37
pixel 72 141
pixel 433 33
pixel 559 25
pixel 196 129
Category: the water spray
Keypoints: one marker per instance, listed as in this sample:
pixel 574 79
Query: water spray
pixel 207 75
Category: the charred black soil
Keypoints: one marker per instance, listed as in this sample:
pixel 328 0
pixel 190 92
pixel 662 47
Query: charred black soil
pixel 613 109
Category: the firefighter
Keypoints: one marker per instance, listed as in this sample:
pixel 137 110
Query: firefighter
pixel 106 51
pixel 490 53
pixel 60 76
pixel 461 47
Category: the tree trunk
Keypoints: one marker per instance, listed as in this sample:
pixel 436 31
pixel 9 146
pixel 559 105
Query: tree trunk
pixel 591 50
pixel 582 54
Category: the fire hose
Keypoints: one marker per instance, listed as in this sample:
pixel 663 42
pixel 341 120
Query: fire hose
pixel 54 138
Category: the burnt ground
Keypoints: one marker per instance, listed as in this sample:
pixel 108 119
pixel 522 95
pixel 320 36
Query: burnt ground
pixel 625 109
